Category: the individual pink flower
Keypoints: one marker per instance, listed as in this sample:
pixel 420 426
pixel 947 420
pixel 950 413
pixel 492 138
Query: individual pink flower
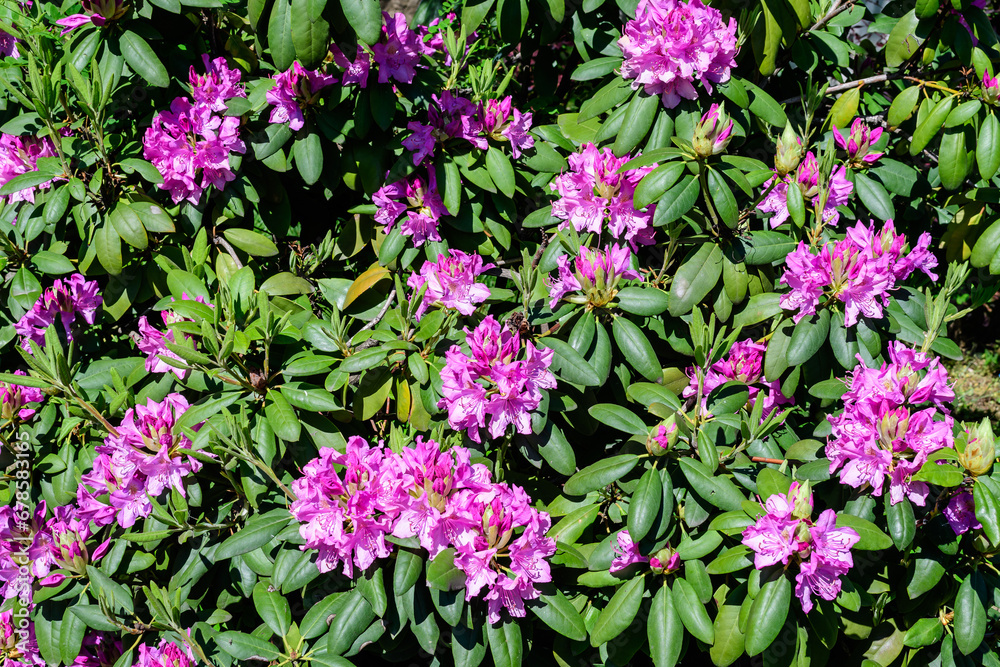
pixel 594 196
pixel 66 536
pixel 671 45
pixel 786 533
pixel 99 649
pixel 398 56
pixel 295 90
pixel 743 363
pixel 451 282
pixel 190 141
pixel 419 200
pixel 66 300
pixel 152 342
pixel 492 383
pixel 355 73
pixel 216 85
pixel 991 89
pixel 14 397
pixel 596 273
pixel 500 121
pixel 627 553
pixel 20 155
pixel 448 117
pixel 18 646
pixel 961 513
pixel 807 177
pixel 166 654
pixel 858 143
pixel 98 12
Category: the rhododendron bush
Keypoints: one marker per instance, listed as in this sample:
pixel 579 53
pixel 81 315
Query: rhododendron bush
pixel 496 332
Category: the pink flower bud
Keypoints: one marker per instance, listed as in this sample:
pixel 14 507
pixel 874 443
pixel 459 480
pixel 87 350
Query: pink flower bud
pixel 789 151
pixel 858 142
pixel 713 132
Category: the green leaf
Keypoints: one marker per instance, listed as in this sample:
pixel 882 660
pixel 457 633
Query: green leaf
pixel 281 416
pixel 621 610
pixel 832 389
pixel 874 197
pixel 728 398
pixel 970 617
pixel 644 301
pixel 310 397
pixel 443 575
pixel 285 283
pixel 258 531
pixel 246 647
pixel 372 393
pixel 273 609
pixel 926 573
pixel 352 615
pixel 308 153
pixel 596 68
pixel 987 508
pixel 618 417
pixel 770 482
pixel 600 474
pixel 845 108
pixel 250 242
pixel 931 124
pixel 636 349
pixel 722 198
pixel 512 16
pixel 109 248
pixel 608 97
pixel 500 170
pixel 720 491
pixel 52 264
pixel 677 201
pixel 365 16
pixel 902 524
pixel 764 106
pixel 407 571
pixel 941 475
pixel 729 641
pixel 808 337
pixel 925 632
pixel 128 225
pixel 558 613
pixel 695 279
pixel 986 246
pixel 735 559
pixel 315 622
pixel 310 36
pixel 665 630
pixel 692 611
pixel 25 181
pixel 872 538
pixel 450 185
pixel 645 504
pixel 768 613
pixel 903 41
pixel 279 35
pixel 953 162
pixel 572 367
pixel 903 106
pixel 143 60
pixel 117 596
pixel 154 218
pixel 654 184
pixel 988 147
pixel 505 643
pixel 638 119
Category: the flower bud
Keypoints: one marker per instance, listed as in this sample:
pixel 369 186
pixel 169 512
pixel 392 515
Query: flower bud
pixel 713 132
pixel 789 151
pixel 665 561
pixel 991 89
pixel 664 439
pixel 800 496
pixel 979 451
pixel 858 142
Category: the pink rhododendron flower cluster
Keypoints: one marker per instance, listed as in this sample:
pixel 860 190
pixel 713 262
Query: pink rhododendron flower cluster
pixel 838 191
pixel 66 300
pixel 454 117
pixel 99 649
pixel 419 199
pixel 350 502
pixel 961 513
pixel 858 143
pixel 63 544
pixel 491 383
pixel 147 456
pixel 153 341
pixel 193 140
pixel 398 56
pixel 165 654
pixel 18 646
pixel 787 532
pixel 293 91
pixel 860 271
pixel 14 397
pixel 23 540
pixel 451 282
pixel 20 155
pixel 887 427
pixel 355 73
pixel 98 12
pixel 595 197
pixel 671 45
pixel 744 363
pixel 594 272
pixel 627 553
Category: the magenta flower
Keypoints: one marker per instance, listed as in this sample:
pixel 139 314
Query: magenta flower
pixel 66 300
pixel 355 73
pixel 20 155
pixel 595 197
pixel 665 436
pixel 65 539
pixel 671 45
pixel 492 382
pixel 883 429
pixel 13 398
pixel 293 91
pixel 502 122
pixel 838 191
pixel 8 46
pixel 961 513
pixel 99 649
pixel 596 273
pixel 451 283
pixel 98 12
pixel 166 654
pixel 627 553
pixel 449 117
pixel 18 646
pixel 787 533
pixel 419 199
pixel 153 342
pixel 398 56
pixel 858 142
pixel 216 85
pixel 435 39
pixel 188 141
pixel 22 533
pixel 713 132
pixel 743 363
pixel 991 89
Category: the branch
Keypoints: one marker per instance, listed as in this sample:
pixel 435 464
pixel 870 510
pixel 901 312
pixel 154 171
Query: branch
pixel 836 10
pixel 847 85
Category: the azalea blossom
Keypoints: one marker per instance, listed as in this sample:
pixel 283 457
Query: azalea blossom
pixel 627 553
pixel 18 645
pixel 66 300
pixel 100 649
pixel 858 143
pixel 20 155
pixel 152 341
pixel 293 91
pixel 65 538
pixel 961 513
pixel 355 73
pixel 838 191
pixel 743 363
pixel 165 654
pixel 14 397
pixel 399 55
pixel 596 273
pixel 419 199
pixel 98 12
pixel 451 283
pixel 218 84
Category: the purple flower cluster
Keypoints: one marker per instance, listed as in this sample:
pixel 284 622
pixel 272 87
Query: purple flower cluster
pixel 19 155
pixel 838 191
pixel 670 45
pixel 490 382
pixel 355 73
pixel 451 283
pixel 596 273
pixel 14 397
pixel 293 91
pixel 350 502
pixel 594 196
pixel 419 199
pixel 398 56
pixel 744 363
pixel 66 300
pixel 787 532
pixel 22 533
pixel 627 553
pixel 859 271
pixel 146 457
pixel 8 46
pixel 153 341
pixel 887 427
pixel 961 513
pixel 454 117
pixel 858 143
pixel 193 140
pixel 166 654
pixel 100 649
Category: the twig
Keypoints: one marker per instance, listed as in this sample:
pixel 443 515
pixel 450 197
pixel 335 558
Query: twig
pixel 836 10
pixel 847 85
pixel 218 240
pixel 761 459
pixel 381 313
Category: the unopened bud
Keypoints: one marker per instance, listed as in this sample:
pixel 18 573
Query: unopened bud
pixel 713 132
pixel 979 451
pixel 665 561
pixel 801 497
pixel 664 438
pixel 991 89
pixel 789 151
